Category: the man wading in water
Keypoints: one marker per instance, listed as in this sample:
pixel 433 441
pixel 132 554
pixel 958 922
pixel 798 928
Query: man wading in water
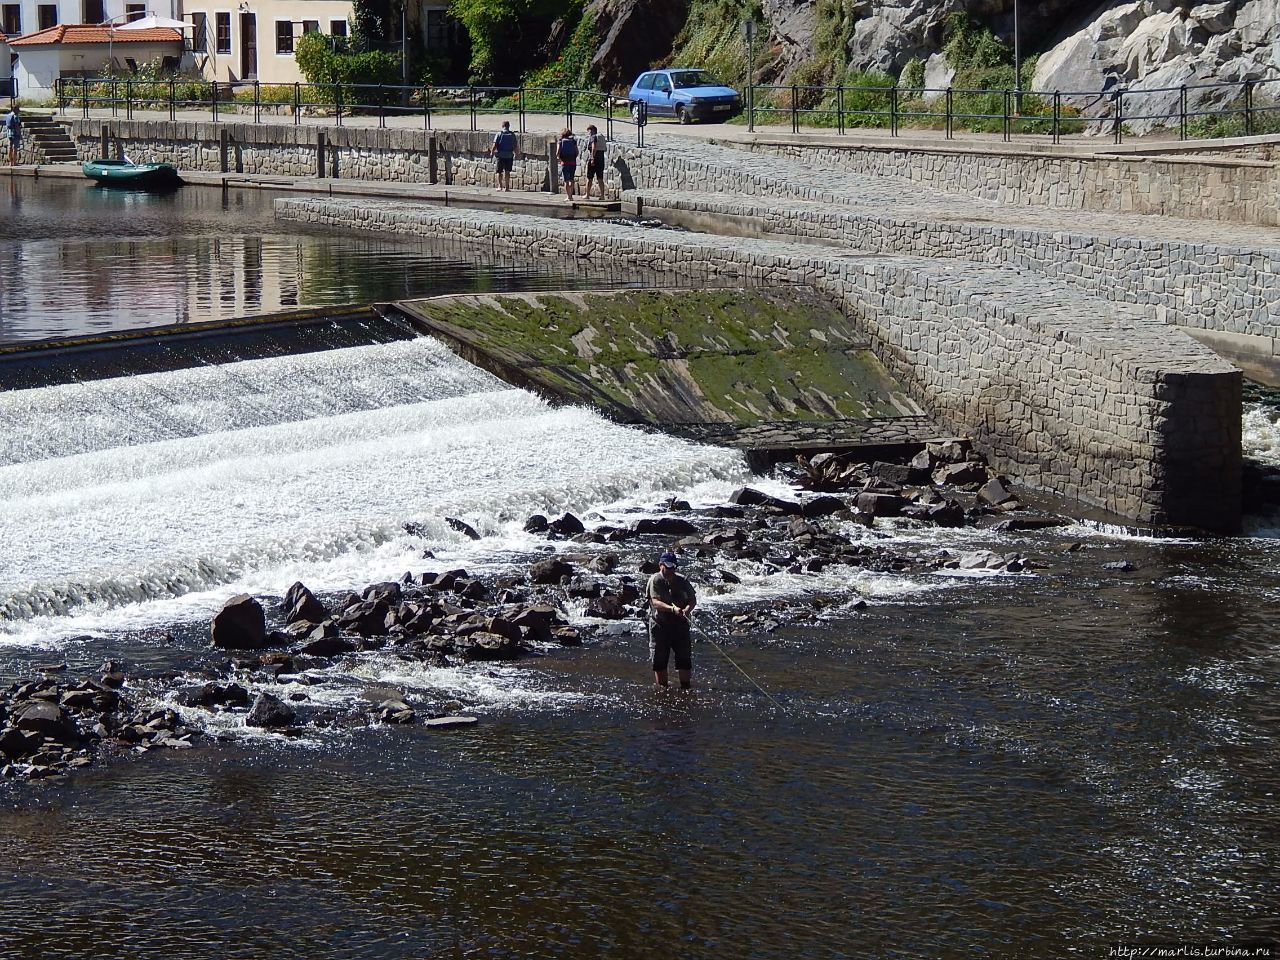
pixel 671 600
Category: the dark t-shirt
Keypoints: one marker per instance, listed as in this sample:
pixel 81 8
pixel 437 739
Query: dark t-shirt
pixel 678 591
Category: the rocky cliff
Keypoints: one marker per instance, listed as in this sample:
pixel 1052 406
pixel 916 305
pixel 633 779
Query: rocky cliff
pixel 1082 46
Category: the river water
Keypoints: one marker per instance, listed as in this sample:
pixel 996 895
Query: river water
pixel 1029 765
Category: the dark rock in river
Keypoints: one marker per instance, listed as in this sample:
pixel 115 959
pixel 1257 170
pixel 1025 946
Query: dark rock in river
pixel 18 743
pixel 751 497
pixel 899 473
pixel 327 646
pixel 536 524
pixel 567 526
pixel 241 624
pixel 668 526
pixel 960 474
pixel 949 451
pixel 995 493
pixel 301 604
pixel 880 504
pixel 550 571
pixel 823 506
pixel 485 646
pixel 463 528
pixel 269 711
pixel 609 606
pixel 214 695
pixel 1121 566
pixel 386 592
pixel 536 622
pixel 44 718
pixel 366 618
pixel 1012 524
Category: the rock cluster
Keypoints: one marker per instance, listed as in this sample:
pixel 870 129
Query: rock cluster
pixel 49 726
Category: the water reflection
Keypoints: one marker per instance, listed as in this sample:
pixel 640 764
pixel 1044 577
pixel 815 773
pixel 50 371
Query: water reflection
pixel 78 259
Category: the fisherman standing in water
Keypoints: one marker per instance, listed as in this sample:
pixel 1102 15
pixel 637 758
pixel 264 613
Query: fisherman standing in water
pixel 671 601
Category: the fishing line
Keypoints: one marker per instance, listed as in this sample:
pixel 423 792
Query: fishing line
pixel 724 653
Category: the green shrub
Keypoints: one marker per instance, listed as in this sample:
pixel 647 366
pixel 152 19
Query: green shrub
pixel 329 65
pixel 713 38
pixel 503 32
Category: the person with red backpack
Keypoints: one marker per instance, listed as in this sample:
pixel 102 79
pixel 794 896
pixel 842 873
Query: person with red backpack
pixel 567 154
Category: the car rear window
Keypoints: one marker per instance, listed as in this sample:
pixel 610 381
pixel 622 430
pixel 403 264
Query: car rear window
pixel 693 78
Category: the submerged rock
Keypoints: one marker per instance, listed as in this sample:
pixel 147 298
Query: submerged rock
pixel 270 711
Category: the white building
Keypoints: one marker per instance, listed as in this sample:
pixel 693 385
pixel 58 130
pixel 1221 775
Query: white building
pixel 255 40
pixel 68 50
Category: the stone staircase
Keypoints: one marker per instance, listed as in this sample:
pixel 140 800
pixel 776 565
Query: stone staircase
pixel 49 138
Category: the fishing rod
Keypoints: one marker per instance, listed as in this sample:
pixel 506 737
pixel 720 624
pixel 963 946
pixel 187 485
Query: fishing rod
pixel 724 653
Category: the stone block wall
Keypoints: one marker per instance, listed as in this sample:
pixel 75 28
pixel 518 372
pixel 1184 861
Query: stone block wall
pixel 1066 392
pixel 1204 187
pixel 354 153
pixel 1186 284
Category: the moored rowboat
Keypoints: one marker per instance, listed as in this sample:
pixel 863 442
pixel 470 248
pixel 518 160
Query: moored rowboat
pixel 121 173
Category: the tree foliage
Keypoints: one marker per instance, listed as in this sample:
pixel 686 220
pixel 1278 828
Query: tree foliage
pixel 504 32
pixel 322 61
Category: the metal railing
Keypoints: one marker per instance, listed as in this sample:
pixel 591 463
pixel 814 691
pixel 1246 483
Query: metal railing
pixel 1248 107
pixel 252 101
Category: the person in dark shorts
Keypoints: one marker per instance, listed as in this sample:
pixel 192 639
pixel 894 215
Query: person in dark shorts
pixel 671 601
pixel 597 147
pixel 13 127
pixel 567 154
pixel 506 147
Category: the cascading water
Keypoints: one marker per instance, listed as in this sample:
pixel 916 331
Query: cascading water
pixel 119 496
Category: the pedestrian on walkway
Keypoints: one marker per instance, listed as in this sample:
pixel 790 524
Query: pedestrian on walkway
pixel 671 602
pixel 506 148
pixel 567 154
pixel 13 128
pixel 597 148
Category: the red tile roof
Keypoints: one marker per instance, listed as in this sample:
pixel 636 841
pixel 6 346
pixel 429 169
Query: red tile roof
pixel 88 33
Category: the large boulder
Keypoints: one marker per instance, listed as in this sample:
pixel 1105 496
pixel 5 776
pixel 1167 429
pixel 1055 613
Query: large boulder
pixel 301 604
pixel 241 624
pixel 631 35
pixel 550 571
pixel 270 711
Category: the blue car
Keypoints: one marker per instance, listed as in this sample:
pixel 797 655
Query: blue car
pixel 687 94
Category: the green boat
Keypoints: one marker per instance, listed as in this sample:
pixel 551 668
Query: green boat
pixel 139 176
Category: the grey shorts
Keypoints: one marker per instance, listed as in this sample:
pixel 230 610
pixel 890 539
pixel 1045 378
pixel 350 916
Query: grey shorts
pixel 665 640
pixel 505 164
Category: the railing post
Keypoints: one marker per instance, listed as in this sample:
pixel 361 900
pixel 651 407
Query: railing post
pixel 950 108
pixel 795 119
pixel 337 102
pixel 1120 115
pixel 173 99
pixel 1057 116
pixel 1182 112
pixel 751 107
pixel 520 102
pixel 426 111
pixel 213 100
pixel 471 105
pixel 893 112
pixel 257 101
pixel 840 108
pixel 297 103
pixel 568 107
pixel 114 104
pixel 428 108
pixel 608 117
pixel 1248 108
pixel 1008 98
pixel 382 109
pixel 128 99
pixel 84 97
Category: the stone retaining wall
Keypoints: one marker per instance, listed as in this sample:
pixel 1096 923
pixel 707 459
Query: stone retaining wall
pixel 1068 393
pixel 1206 286
pixel 354 153
pixel 1204 187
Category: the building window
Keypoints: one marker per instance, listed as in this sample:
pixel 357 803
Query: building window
pixel 13 19
pixel 199 33
pixel 338 28
pixel 95 11
pixel 223 24
pixel 310 26
pixel 440 29
pixel 284 36
pixel 134 11
pixel 46 16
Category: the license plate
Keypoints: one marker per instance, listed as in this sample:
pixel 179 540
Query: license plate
pixel 723 106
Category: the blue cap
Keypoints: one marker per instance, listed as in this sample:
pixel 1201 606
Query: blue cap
pixel 668 559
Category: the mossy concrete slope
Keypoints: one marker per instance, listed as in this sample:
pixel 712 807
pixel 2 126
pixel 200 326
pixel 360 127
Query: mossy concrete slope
pixel 673 357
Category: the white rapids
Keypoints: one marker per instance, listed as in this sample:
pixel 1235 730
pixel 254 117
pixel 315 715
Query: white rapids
pixel 138 500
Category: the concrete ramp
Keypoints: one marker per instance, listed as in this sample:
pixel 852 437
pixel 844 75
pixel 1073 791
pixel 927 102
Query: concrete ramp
pixel 770 370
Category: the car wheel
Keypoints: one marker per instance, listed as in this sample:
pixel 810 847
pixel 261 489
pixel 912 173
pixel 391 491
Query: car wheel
pixel 682 114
